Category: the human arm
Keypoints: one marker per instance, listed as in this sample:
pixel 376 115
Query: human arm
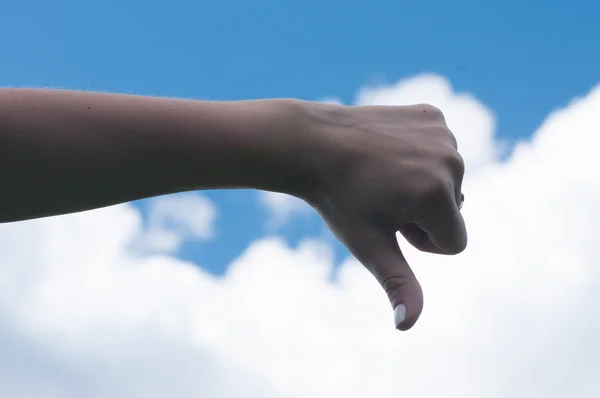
pixel 369 171
pixel 65 151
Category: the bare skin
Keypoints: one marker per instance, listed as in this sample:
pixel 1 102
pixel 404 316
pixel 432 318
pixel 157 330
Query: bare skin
pixel 369 171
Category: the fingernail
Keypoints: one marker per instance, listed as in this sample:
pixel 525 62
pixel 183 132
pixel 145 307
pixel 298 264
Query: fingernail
pixel 399 314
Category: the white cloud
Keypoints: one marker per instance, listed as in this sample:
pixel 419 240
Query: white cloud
pixel 173 218
pixel 514 315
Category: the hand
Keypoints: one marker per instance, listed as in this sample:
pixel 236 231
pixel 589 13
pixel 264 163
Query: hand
pixel 389 169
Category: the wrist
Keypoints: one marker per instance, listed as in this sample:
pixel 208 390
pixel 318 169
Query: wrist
pixel 260 144
pixel 292 152
pixel 327 154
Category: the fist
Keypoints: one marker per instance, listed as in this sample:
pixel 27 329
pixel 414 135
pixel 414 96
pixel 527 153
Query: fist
pixel 388 169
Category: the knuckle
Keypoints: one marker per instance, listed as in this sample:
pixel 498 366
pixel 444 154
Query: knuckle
pixel 432 112
pixel 446 135
pixel 394 284
pixel 454 161
pixel 452 139
pixel 434 187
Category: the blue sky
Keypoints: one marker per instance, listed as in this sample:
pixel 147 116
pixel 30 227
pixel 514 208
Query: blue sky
pixel 521 58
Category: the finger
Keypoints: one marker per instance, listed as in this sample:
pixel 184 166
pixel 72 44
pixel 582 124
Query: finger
pixel 445 226
pixel 419 239
pixel 379 252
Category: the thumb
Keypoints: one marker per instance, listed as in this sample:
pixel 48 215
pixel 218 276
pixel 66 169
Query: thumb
pixel 380 253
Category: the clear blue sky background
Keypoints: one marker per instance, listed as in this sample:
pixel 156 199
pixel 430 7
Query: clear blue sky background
pixel 522 58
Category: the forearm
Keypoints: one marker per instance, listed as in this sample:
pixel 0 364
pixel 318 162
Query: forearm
pixel 67 151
